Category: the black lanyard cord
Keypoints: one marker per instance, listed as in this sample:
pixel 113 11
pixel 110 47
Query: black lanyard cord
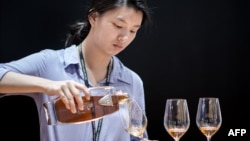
pixel 96 132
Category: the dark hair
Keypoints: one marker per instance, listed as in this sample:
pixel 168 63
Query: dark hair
pixel 80 30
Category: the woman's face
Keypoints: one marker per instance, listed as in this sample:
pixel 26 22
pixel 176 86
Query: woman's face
pixel 114 30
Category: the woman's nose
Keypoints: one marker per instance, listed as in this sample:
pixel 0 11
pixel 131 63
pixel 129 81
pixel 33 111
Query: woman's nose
pixel 123 36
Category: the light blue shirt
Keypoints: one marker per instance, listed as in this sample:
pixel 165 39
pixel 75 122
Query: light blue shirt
pixel 64 64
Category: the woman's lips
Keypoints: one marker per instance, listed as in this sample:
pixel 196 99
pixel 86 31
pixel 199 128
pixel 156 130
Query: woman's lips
pixel 118 46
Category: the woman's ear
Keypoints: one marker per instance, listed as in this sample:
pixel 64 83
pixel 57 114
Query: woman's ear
pixel 92 18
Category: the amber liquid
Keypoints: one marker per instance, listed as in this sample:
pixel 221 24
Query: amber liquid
pixel 209 131
pixel 122 98
pixel 136 131
pixel 92 109
pixel 176 132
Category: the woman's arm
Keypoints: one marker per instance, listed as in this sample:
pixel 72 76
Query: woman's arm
pixel 68 90
pixel 13 82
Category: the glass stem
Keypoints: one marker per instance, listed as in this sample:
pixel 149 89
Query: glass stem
pixel 208 138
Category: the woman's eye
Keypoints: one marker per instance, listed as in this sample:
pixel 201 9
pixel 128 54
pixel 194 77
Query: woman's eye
pixel 133 31
pixel 118 26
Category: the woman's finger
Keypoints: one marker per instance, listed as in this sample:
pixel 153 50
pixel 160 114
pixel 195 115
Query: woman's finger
pixel 78 98
pixel 70 99
pixel 64 99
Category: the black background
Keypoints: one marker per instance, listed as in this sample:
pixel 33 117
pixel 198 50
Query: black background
pixel 195 48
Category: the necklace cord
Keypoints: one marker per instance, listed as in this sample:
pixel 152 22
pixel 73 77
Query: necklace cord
pixel 95 132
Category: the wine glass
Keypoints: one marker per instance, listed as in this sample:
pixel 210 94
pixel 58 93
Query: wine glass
pixel 134 119
pixel 208 118
pixel 176 118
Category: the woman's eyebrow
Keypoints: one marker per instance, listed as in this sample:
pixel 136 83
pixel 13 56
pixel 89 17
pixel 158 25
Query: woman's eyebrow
pixel 122 20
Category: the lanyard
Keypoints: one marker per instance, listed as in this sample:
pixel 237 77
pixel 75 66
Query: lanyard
pixel 96 132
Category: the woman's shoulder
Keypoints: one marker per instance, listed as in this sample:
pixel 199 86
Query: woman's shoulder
pixel 57 53
pixel 56 50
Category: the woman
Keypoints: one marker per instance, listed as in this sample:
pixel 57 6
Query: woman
pixel 88 60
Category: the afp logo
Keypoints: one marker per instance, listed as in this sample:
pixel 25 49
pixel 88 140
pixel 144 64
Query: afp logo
pixel 237 132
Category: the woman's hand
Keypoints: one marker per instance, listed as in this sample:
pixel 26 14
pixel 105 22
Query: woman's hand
pixel 69 92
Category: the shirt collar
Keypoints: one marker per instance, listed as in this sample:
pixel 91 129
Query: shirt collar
pixel 70 56
pixel 120 73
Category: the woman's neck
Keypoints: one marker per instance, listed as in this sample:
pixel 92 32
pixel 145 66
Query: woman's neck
pixel 96 63
pixel 94 59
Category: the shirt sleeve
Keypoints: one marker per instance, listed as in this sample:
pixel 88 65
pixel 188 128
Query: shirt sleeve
pixel 32 64
pixel 2 72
